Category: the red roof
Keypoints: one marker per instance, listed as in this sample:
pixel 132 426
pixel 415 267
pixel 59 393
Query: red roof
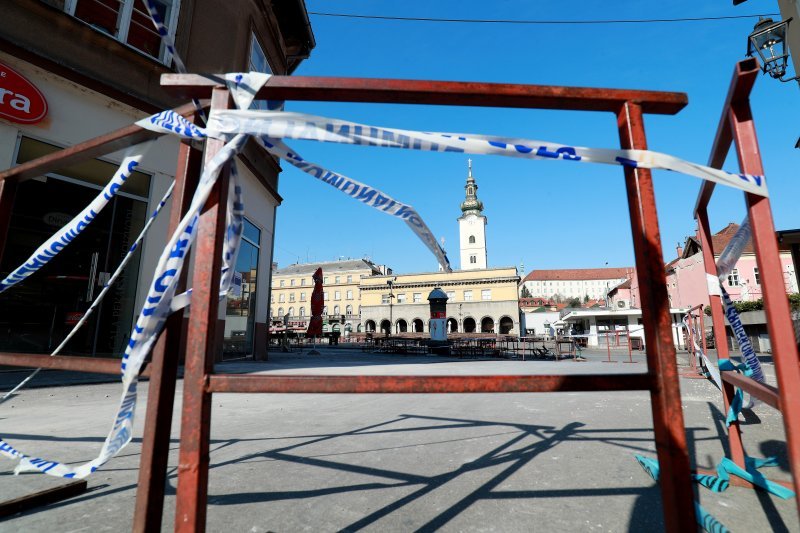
pixel 578 274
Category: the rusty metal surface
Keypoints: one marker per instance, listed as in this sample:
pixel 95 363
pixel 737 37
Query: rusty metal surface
pixel 776 305
pixel 426 384
pixel 764 392
pixel 675 481
pixel 66 362
pixel 99 146
pixel 744 77
pixel 41 498
pixel 329 89
pixel 192 492
pixel 164 369
pixel 735 445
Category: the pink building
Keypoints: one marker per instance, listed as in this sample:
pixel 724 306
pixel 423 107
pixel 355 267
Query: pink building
pixel 686 277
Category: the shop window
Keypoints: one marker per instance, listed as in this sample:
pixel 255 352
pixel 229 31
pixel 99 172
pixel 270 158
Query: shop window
pixel 240 311
pixel 128 21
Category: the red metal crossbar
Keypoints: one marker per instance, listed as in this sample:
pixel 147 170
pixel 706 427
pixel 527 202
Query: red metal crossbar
pixel 736 127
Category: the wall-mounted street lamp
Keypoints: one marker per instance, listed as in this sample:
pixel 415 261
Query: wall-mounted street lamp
pixel 769 41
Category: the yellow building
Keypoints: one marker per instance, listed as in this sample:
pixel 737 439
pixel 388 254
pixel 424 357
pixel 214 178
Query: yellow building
pixel 292 287
pixel 479 301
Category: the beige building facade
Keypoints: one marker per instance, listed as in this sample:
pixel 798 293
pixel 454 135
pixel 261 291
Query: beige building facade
pixel 292 287
pixel 479 301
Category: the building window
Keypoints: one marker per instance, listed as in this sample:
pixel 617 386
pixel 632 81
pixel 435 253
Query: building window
pixel 258 63
pixel 337 295
pixel 337 279
pixel 325 310
pixel 128 21
pixel 756 274
pixel 348 310
pixel 486 294
pixel 349 279
pixel 733 278
pixel 281 298
pixel 451 295
pixel 302 297
pixel 349 295
pixel 417 297
pixel 291 297
pixel 303 281
pixel 472 239
pixel 385 299
pixel 467 296
pixel 290 312
pixel 336 309
pixel 325 295
pixel 280 312
pixel 291 283
pixel 302 312
pixel 401 298
pixel 325 279
pixel 473 259
pixel 240 306
pixel 283 283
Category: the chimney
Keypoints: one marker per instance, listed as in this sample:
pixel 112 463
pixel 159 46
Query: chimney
pixel 679 250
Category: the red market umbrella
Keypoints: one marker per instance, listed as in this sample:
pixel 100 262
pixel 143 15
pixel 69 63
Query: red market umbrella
pixel 317 305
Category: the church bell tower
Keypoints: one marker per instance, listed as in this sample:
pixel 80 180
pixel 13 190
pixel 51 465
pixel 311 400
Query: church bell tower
pixel 472 227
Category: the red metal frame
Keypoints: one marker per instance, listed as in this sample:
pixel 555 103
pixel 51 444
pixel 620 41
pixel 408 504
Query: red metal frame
pixel 200 382
pixel 736 127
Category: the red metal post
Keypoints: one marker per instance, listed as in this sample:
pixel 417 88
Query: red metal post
pixel 164 370
pixel 776 305
pixel 675 481
pixel 735 446
pixel 192 492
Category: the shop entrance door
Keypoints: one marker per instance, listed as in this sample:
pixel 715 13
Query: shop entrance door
pixel 38 313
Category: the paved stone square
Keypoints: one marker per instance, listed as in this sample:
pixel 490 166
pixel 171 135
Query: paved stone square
pixel 461 462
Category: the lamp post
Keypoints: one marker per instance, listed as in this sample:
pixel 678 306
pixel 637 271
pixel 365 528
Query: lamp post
pixel 768 39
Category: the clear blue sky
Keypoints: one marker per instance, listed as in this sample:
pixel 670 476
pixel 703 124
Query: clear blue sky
pixel 545 214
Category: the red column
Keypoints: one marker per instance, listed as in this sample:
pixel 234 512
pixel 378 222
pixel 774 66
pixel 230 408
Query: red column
pixel 670 436
pixel 192 493
pixel 776 304
pixel 164 370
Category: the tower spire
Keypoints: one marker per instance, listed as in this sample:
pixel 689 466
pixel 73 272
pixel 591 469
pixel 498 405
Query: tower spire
pixel 471 204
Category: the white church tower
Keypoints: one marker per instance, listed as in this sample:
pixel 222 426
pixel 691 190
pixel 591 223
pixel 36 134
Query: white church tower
pixel 472 227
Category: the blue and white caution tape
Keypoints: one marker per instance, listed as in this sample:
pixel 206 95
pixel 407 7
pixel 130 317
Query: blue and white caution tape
pixel 73 228
pixel 148 325
pixel 363 193
pixel 106 288
pixel 285 125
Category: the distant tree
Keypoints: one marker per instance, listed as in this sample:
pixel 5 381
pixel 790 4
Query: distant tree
pixel 525 292
pixel 557 298
pixel 586 299
pixel 574 302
